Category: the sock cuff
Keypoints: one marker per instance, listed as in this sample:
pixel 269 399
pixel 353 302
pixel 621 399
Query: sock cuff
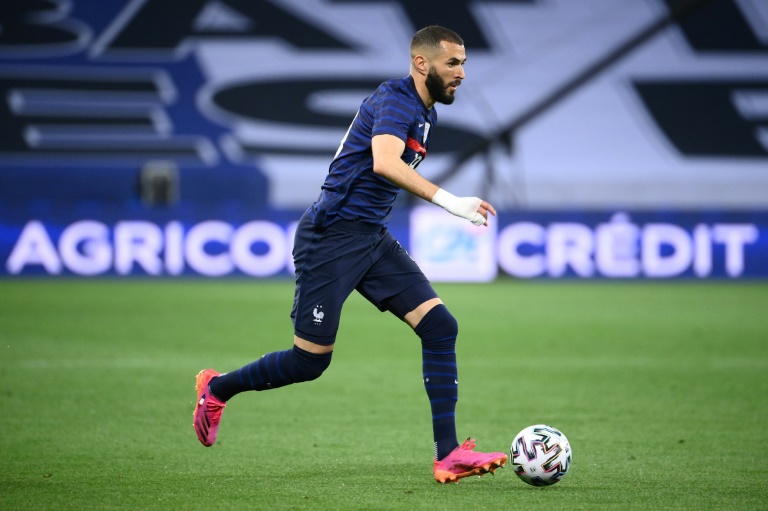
pixel 438 330
pixel 308 355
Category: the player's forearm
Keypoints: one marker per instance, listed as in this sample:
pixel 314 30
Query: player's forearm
pixel 408 179
pixel 403 176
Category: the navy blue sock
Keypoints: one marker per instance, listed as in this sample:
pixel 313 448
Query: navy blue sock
pixel 273 370
pixel 438 330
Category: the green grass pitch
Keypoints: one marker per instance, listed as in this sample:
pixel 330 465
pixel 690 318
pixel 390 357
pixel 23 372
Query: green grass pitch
pixel 661 388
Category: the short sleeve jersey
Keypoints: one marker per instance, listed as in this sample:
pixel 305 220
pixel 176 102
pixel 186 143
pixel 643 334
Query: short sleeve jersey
pixel 352 191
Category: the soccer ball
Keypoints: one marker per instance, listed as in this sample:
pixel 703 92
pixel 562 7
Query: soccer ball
pixel 541 455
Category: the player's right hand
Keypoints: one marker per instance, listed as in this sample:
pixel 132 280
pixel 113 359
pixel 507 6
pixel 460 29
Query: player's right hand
pixel 473 209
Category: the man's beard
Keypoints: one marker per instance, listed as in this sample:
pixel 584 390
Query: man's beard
pixel 439 89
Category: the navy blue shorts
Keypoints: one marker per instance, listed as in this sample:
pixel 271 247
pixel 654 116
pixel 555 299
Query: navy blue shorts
pixel 332 262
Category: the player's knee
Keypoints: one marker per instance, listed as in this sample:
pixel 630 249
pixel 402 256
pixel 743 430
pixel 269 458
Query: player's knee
pixel 309 366
pixel 438 328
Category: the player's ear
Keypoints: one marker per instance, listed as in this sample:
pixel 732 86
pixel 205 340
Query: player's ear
pixel 421 64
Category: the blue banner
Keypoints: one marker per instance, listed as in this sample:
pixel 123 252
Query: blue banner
pixel 218 242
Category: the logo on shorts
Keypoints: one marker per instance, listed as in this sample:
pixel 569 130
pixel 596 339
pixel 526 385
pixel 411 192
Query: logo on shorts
pixel 318 314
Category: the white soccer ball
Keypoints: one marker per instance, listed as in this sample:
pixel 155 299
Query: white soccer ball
pixel 541 455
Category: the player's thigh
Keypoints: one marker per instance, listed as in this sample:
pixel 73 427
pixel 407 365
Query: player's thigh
pixel 395 282
pixel 329 265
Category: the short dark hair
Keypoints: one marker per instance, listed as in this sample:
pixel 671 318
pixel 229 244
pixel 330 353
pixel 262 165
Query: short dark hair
pixel 432 36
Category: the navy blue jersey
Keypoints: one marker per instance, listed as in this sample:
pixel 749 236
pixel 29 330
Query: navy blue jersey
pixel 352 191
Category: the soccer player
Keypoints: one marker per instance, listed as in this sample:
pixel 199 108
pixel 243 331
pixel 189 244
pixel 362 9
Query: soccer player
pixel 342 244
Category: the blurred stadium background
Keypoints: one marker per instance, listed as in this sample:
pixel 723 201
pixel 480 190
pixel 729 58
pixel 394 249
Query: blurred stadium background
pixel 185 137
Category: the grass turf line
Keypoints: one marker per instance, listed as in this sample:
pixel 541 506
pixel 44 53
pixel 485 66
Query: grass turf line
pixel 661 388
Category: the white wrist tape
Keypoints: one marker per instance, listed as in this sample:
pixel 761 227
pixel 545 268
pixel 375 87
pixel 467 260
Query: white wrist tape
pixel 465 207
